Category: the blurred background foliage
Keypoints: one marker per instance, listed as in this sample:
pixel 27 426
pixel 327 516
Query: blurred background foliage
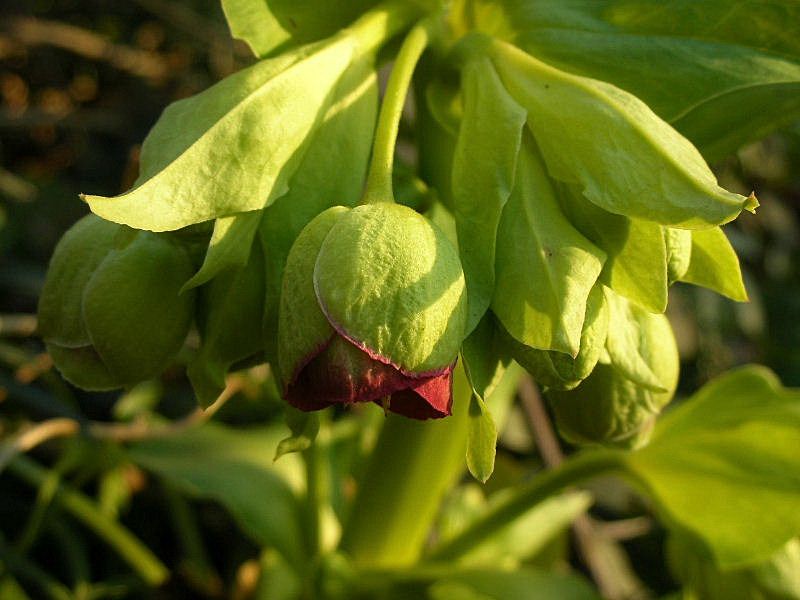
pixel 81 82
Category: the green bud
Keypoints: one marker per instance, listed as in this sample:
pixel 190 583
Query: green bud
pixel 608 407
pixel 110 312
pixel 373 305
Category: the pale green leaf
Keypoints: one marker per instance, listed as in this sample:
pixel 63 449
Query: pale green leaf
pixel 545 268
pixel 636 262
pixel 233 147
pixel 483 175
pixel 234 467
pixel 723 467
pixel 723 73
pixel 270 25
pixel 714 264
pixel 229 246
pixel 390 280
pixel 481 440
pixel 626 159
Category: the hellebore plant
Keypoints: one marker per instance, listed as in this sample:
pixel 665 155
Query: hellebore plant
pixel 557 192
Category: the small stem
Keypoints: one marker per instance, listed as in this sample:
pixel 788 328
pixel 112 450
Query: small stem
pixel 36 435
pixel 138 556
pixel 379 179
pixel 583 466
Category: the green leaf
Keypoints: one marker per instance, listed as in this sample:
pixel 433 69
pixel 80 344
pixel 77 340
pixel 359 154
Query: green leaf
pixel 481 440
pixel 233 147
pixel 302 326
pixel 390 280
pixel 626 159
pixel 545 268
pixel 483 175
pixel 522 584
pixel 229 319
pixel 723 73
pixel 229 247
pixel 723 467
pixel 268 26
pixel 234 467
pixel 331 173
pixel 484 356
pixel 636 262
pixel 714 264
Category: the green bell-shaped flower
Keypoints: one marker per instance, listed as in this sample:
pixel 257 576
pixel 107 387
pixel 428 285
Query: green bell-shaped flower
pixel 110 312
pixel 373 305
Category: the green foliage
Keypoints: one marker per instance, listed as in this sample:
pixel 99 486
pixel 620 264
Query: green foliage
pixel 558 152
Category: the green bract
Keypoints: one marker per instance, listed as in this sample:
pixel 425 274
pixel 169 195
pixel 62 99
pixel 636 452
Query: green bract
pixel 111 312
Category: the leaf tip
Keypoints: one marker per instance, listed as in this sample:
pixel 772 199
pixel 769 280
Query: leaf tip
pixel 751 203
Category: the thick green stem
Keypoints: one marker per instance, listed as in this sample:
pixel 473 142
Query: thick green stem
pixel 382 23
pixel 583 466
pixel 82 508
pixel 379 179
pixel 411 468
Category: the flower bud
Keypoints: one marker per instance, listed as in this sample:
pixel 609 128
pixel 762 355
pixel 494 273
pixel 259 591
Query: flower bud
pixel 373 306
pixel 608 407
pixel 110 312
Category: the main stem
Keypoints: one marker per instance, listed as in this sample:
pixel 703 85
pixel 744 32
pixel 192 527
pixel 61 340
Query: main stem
pixel 379 179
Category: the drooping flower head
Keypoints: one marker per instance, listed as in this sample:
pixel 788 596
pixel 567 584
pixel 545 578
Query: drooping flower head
pixel 373 307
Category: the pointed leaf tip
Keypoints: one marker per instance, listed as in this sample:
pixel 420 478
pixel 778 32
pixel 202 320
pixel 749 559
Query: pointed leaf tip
pixel 752 203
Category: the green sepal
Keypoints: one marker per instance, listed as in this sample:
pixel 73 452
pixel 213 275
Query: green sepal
pixel 83 367
pixel 136 317
pixel 544 267
pixel 636 259
pixel 714 264
pixel 484 165
pixel 557 370
pixel 303 329
pixel 230 308
pixel 626 158
pixel 78 253
pixel 240 140
pixel 390 281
